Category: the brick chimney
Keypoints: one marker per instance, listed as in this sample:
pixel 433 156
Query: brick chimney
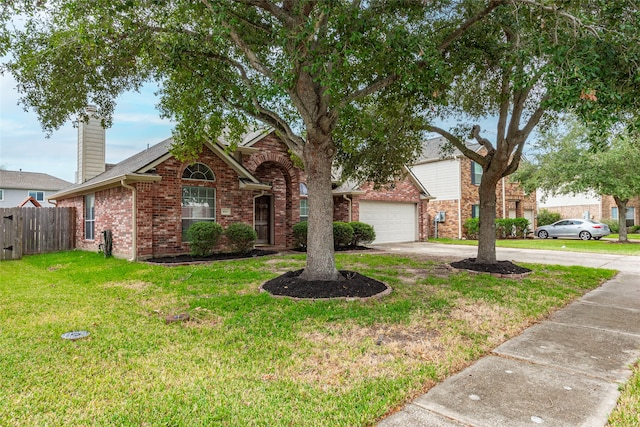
pixel 91 147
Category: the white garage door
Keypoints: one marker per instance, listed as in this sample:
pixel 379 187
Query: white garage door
pixel 393 222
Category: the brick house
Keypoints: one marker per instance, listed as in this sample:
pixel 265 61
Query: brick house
pixel 149 200
pixel 453 180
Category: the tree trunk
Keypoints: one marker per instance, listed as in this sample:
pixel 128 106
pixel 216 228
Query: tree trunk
pixel 487 231
pixel 318 158
pixel 622 218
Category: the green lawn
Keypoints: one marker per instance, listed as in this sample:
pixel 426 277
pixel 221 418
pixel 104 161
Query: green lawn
pixel 246 358
pixel 597 246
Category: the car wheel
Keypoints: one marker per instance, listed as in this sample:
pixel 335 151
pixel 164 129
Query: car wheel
pixel 585 235
pixel 543 234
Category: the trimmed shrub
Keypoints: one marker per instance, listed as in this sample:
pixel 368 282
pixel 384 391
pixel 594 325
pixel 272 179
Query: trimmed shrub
pixel 342 234
pixel 470 228
pixel 203 237
pixel 506 228
pixel 362 233
pixel 634 229
pixel 546 217
pixel 520 227
pixel 241 237
pixel 300 234
pixel 613 224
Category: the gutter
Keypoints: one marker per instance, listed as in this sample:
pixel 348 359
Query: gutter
pixel 344 196
pixel 134 219
pixel 92 187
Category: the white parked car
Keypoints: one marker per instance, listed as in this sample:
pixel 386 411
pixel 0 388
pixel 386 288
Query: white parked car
pixel 584 229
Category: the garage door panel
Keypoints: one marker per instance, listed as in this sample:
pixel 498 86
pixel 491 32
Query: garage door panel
pixel 393 222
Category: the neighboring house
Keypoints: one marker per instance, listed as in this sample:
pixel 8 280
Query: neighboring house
pixel 453 180
pixel 18 188
pixel 591 206
pixel 149 200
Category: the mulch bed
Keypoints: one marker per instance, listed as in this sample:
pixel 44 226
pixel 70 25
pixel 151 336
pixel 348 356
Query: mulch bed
pixel 500 267
pixel 355 285
pixel 186 258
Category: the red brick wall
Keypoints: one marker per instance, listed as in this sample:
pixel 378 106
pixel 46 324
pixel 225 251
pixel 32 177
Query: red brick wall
pixel 273 164
pixel 608 203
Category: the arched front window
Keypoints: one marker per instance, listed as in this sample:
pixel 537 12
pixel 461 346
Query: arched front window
pixel 199 171
pixel 304 202
pixel 198 202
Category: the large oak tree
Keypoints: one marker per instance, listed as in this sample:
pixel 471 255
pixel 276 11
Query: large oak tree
pixel 302 67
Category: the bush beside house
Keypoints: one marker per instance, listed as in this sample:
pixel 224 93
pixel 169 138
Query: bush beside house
pixel 506 228
pixel 203 237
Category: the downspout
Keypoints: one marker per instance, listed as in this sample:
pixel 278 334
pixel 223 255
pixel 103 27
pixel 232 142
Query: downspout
pixel 134 219
pixel 344 196
pixel 459 199
pixel 505 214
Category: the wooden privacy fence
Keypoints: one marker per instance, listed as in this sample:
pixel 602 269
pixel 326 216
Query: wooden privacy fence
pixel 26 231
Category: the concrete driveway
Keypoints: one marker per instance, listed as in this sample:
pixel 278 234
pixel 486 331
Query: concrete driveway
pixel 623 263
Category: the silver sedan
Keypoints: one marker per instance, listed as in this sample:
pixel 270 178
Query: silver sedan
pixel 584 229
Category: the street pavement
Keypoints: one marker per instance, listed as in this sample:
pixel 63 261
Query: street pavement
pixel 563 371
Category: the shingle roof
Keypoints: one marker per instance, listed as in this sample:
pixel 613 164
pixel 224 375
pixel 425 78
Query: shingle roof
pixel 138 167
pixel 21 180
pixel 436 148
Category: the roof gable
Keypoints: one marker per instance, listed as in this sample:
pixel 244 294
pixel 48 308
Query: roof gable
pixel 141 167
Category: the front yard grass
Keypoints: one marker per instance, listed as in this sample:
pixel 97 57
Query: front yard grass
pixel 246 358
pixel 567 245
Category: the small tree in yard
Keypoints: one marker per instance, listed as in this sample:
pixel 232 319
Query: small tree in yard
pixel 363 234
pixel 569 163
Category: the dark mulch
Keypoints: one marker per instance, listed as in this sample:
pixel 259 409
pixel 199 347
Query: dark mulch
pixel 502 267
pixel 186 258
pixel 355 285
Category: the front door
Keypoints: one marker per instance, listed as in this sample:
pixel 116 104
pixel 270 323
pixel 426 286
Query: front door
pixel 263 219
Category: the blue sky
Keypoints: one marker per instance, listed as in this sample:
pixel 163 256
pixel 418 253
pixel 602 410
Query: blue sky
pixel 23 144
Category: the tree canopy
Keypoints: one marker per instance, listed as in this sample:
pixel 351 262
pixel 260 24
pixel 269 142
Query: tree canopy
pixel 566 162
pixel 527 63
pixel 302 67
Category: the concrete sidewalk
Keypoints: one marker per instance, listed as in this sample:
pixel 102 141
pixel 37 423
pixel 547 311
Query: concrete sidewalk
pixel 564 371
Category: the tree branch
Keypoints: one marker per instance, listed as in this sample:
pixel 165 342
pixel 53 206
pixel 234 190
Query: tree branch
pixel 469 23
pixel 375 86
pixel 279 13
pixel 577 22
pixel 475 133
pixel 478 158
pixel 290 138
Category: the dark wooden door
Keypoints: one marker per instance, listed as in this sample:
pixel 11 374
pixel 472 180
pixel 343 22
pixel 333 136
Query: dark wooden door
pixel 263 219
